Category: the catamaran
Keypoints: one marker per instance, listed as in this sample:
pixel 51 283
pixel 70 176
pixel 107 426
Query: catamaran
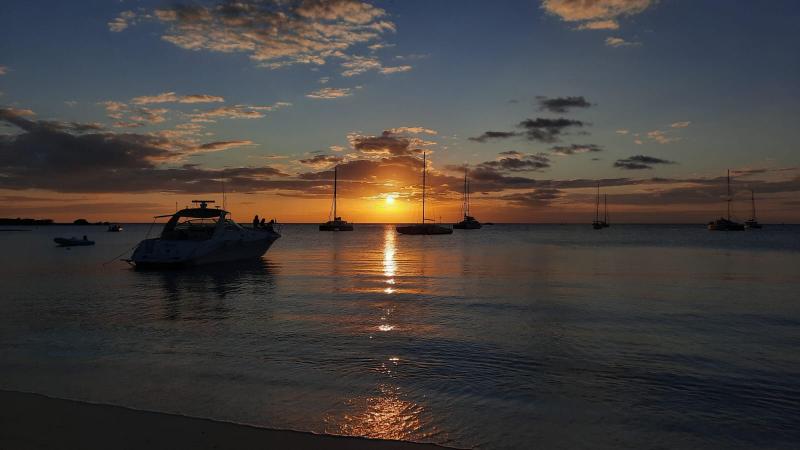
pixel 202 235
pixel 725 223
pixel 469 222
pixel 752 222
pixel 423 227
pixel 337 224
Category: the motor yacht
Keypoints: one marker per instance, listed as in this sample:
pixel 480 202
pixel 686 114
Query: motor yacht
pixel 202 235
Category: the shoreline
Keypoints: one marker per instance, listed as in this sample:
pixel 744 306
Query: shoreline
pixel 36 421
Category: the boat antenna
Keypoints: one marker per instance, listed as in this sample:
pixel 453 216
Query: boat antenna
pixel 223 193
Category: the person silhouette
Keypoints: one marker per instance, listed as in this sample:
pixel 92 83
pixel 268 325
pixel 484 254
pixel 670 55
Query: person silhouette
pixel 255 222
pixel 263 222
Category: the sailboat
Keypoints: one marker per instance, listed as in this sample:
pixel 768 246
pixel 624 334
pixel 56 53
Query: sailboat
pixel 723 223
pixel 337 224
pixel 599 224
pixel 423 227
pixel 605 213
pixel 752 223
pixel 469 222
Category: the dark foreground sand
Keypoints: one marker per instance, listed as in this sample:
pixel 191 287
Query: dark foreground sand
pixel 32 421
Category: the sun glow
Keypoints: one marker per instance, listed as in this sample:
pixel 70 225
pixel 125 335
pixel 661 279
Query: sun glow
pixel 390 199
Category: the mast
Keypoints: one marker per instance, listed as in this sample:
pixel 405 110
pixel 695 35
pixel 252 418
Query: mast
pixel 729 194
pixel 605 199
pixel 753 201
pixel 424 169
pixel 335 178
pixel 465 199
pixel 597 205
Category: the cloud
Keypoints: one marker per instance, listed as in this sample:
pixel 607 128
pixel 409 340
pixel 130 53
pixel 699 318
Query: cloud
pixel 622 131
pixel 320 161
pixel 222 145
pixel 572 149
pixel 412 130
pixel 561 104
pixel 488 135
pixel 639 162
pixel 539 129
pixel 681 124
pixel 396 69
pixel 387 143
pixel 536 197
pixel 356 65
pixel 620 42
pixel 171 97
pixel 65 157
pixel 661 137
pixel 235 112
pixel 330 93
pixel 122 21
pixel 149 115
pixel 272 33
pixel 3 70
pixel 608 24
pixel 517 162
pixel 594 10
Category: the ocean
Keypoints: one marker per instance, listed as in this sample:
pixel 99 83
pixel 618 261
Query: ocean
pixel 512 336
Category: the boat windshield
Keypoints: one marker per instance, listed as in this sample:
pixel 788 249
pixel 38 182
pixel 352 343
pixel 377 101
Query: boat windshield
pixel 194 224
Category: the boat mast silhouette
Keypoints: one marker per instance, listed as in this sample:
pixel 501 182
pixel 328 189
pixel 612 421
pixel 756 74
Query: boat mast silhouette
pixel 337 224
pixel 467 222
pixel 424 228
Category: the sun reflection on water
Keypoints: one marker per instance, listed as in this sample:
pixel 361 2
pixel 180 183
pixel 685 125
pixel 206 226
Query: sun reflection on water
pixel 389 249
pixel 386 415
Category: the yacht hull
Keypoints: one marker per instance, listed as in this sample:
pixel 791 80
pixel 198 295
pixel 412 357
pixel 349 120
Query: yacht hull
pixel 158 253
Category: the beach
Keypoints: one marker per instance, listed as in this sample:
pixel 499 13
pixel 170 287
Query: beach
pixel 33 421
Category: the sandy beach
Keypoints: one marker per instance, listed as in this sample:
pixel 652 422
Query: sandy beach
pixel 33 421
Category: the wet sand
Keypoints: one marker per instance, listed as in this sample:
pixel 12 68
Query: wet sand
pixel 32 421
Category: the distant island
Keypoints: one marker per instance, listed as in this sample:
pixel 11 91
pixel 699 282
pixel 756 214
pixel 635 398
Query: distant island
pixel 38 222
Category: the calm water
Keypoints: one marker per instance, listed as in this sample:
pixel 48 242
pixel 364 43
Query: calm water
pixel 507 337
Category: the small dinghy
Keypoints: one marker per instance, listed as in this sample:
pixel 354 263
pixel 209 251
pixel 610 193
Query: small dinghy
pixel 72 242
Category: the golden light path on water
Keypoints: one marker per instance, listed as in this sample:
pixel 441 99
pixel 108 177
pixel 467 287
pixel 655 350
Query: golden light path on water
pixel 386 413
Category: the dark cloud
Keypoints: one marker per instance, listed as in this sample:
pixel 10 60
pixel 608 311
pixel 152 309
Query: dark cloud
pixel 518 163
pixel 321 160
pixel 387 143
pixel 573 149
pixel 561 105
pixel 639 162
pixel 52 157
pixel 547 130
pixel 494 135
pixel 539 129
pixel 536 197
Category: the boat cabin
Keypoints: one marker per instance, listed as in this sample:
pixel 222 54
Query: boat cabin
pixel 198 224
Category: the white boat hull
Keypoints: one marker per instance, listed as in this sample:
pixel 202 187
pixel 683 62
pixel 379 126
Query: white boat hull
pixel 159 252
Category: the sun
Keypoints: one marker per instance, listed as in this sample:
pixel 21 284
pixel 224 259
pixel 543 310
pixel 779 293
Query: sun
pixel 390 199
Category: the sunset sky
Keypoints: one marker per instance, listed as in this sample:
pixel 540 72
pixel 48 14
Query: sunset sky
pixel 118 110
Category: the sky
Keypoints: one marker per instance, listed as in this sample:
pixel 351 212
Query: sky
pixel 121 110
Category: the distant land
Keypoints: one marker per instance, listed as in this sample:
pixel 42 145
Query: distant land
pixel 37 222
